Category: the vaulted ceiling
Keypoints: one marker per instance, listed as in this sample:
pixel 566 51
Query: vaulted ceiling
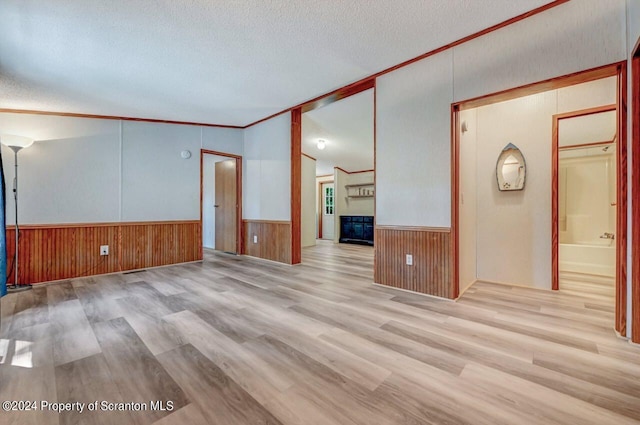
pixel 224 61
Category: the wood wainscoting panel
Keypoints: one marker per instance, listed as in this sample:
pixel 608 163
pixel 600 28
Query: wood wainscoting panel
pixel 274 239
pixel 158 244
pixel 63 251
pixel 431 271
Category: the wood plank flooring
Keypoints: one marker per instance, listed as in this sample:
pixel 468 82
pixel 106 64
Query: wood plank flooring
pixel 235 340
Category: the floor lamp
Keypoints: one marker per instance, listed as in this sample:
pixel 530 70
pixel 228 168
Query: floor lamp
pixel 16 144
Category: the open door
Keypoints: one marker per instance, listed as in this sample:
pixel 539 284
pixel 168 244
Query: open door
pixel 226 205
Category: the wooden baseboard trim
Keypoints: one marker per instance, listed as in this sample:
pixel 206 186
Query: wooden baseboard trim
pixel 57 281
pixel 413 228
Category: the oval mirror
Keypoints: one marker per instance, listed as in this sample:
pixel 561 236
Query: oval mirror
pixel 511 169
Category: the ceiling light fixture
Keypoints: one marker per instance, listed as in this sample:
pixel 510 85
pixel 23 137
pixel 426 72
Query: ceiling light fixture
pixel 321 144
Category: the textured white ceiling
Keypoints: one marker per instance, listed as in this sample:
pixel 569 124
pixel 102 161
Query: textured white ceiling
pixel 224 61
pixel 347 128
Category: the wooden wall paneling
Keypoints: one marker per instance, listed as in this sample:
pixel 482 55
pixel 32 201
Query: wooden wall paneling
pixel 274 240
pixel 431 250
pixel 296 187
pixel 635 194
pixel 621 208
pixel 54 252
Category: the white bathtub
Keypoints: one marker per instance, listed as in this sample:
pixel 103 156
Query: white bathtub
pixel 596 257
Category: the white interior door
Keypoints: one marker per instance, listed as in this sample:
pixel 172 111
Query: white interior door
pixel 328 208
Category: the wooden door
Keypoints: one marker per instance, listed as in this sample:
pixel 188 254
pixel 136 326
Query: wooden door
pixel 226 205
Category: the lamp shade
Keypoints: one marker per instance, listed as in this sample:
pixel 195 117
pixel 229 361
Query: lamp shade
pixel 14 141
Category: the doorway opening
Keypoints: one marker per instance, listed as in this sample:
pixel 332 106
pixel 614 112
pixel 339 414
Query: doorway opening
pixel 337 149
pixel 585 178
pixel 502 236
pixel 337 177
pixel 221 201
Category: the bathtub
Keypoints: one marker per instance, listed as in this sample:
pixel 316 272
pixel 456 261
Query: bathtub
pixel 592 257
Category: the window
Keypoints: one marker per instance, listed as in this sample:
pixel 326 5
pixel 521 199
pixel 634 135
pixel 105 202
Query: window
pixel 328 200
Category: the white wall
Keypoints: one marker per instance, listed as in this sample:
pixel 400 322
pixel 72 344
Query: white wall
pixel 413 154
pixel 224 140
pixel 83 170
pixel 572 37
pixel 267 170
pixel 209 199
pixel 308 202
pixel 359 206
pixel 159 183
pixel 70 175
pixel 468 195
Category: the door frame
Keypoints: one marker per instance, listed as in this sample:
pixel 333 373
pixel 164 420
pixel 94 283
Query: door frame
pixel 239 229
pixel 555 190
pixel 618 69
pixel 320 205
pixel 635 194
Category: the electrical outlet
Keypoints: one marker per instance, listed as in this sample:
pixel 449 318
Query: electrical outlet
pixel 255 238
pixel 409 259
pixel 104 249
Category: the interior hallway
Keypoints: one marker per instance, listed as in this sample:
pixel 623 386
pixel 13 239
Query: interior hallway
pixel 236 340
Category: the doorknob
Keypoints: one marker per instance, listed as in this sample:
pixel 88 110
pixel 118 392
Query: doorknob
pixel 216 206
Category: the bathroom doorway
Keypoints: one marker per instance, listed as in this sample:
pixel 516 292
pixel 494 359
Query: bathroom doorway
pixel 587 200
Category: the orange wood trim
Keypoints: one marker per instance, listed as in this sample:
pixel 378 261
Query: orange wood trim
pixel 274 240
pixel 100 224
pixel 470 37
pixel 555 213
pixel 414 228
pixel 455 199
pixel 621 222
pixel 542 86
pixel 375 188
pixel 113 117
pixel 354 172
pixel 584 145
pixel 309 156
pixel 338 94
pixel 296 186
pixel 430 272
pixel 238 159
pixel 62 252
pixel 225 154
pixel 589 111
pixel 635 187
pixel 249 221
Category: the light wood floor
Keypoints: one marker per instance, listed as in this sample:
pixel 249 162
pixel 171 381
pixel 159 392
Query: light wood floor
pixel 241 341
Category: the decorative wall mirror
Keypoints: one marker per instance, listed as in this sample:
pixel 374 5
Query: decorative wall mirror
pixel 511 169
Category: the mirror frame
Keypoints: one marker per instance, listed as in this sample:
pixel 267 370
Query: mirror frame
pixel 509 150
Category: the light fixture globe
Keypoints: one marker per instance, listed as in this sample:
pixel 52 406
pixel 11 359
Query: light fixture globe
pixel 321 144
pixel 16 142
